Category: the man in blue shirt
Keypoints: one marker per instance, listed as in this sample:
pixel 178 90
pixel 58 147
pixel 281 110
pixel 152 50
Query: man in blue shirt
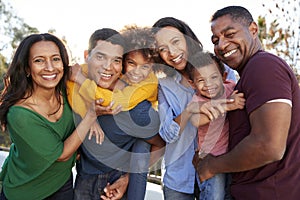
pixel 108 163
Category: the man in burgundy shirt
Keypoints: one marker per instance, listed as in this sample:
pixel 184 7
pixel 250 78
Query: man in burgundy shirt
pixel 264 138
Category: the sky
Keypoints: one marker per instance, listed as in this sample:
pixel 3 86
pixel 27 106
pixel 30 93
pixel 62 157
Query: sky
pixel 77 20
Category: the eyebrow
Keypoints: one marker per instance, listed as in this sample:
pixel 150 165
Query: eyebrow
pixel 223 31
pixel 119 57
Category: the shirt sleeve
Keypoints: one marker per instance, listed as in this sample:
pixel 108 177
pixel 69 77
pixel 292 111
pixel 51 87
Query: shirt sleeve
pixel 133 94
pixel 76 100
pixel 267 79
pixel 169 129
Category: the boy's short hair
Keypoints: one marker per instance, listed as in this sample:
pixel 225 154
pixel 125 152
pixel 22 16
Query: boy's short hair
pixel 105 34
pixel 201 59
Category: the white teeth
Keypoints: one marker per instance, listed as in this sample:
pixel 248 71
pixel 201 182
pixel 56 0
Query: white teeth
pixel 211 90
pixel 134 78
pixel 49 76
pixel 178 58
pixel 106 75
pixel 229 53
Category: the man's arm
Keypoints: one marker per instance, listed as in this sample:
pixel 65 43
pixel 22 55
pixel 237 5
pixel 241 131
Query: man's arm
pixel 267 141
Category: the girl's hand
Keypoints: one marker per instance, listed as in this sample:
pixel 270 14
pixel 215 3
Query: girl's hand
pixel 76 74
pixel 107 110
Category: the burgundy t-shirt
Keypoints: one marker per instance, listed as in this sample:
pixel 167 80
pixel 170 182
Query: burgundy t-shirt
pixel 264 78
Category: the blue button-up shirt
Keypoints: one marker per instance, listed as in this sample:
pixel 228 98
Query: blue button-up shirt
pixel 179 171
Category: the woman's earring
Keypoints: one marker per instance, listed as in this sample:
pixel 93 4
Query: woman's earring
pixel 27 75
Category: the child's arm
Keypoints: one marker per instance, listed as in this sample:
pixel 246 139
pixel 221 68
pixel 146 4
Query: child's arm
pixel 86 87
pixel 198 119
pixel 80 103
pixel 76 74
pixel 215 108
pixel 239 101
pixel 77 101
pixel 133 94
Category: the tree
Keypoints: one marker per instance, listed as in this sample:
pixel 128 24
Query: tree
pixel 282 35
pixel 12 30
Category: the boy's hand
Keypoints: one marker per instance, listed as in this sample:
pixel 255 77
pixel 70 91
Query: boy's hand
pixel 215 108
pixel 239 101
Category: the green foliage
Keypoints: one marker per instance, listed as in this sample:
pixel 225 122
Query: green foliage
pixel 12 27
pixel 3 69
pixel 4 139
pixel 12 30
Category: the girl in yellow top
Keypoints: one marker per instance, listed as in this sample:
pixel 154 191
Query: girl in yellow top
pixel 84 91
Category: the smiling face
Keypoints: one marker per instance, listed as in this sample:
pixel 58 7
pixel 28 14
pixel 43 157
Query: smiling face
pixel 234 43
pixel 46 66
pixel 105 64
pixel 137 67
pixel 172 47
pixel 208 81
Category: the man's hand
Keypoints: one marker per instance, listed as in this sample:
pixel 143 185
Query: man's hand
pixel 117 189
pixel 201 164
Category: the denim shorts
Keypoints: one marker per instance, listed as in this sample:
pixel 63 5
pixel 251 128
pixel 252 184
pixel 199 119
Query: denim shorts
pixel 91 186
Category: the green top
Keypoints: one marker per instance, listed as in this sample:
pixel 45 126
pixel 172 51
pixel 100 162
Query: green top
pixel 31 170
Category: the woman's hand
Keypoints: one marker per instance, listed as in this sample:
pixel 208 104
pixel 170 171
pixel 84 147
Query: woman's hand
pixel 96 131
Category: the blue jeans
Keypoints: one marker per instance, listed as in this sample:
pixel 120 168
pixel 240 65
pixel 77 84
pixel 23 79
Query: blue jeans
pixel 213 188
pixel 91 186
pixel 170 194
pixel 139 166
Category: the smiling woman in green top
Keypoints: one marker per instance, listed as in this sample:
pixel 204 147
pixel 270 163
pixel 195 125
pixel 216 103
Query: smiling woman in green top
pixel 34 110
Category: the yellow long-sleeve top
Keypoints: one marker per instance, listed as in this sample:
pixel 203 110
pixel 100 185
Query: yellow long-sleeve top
pixel 81 96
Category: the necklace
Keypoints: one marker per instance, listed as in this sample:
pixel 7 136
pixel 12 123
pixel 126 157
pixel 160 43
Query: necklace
pixel 41 108
pixel 50 114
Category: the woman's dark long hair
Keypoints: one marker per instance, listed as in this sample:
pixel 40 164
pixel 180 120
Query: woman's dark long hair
pixel 17 85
